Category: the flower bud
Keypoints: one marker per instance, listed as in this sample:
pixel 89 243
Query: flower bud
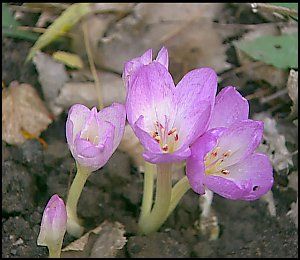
pixel 54 224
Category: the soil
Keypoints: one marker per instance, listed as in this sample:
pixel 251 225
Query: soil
pixel 32 174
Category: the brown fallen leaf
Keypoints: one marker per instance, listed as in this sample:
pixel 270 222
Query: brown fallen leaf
pixel 185 29
pixel 22 110
pixel 103 241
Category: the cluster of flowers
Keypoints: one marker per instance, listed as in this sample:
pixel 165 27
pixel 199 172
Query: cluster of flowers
pixel 213 134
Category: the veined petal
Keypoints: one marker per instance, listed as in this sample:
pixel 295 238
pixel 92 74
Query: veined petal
pixel 163 57
pixel 240 140
pixel 196 89
pixel 247 180
pixel 151 94
pixel 195 169
pixel 133 65
pixel 230 107
pixel 116 115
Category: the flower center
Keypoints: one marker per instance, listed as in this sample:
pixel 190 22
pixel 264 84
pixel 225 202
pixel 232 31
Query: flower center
pixel 214 159
pixel 167 138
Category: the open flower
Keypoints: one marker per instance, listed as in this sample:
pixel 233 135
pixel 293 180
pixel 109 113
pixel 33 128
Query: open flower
pixel 54 225
pixel 165 118
pixel 93 136
pixel 224 158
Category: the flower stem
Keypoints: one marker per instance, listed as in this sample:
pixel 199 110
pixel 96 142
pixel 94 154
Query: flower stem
pixel 180 188
pixel 55 251
pixel 152 222
pixel 148 190
pixel 73 223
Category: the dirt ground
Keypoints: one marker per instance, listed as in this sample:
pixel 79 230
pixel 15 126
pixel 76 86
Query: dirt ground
pixel 32 174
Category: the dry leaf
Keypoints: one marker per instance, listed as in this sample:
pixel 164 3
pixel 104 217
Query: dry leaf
pixel 274 76
pixel 22 110
pixel 275 145
pixel 103 241
pixel 186 29
pixel 52 77
pixel 292 86
pixel 112 90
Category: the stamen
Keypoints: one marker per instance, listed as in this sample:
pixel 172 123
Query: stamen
pixel 165 148
pixel 172 131
pixel 157 138
pixel 226 154
pixel 154 134
pixel 225 171
pixel 176 137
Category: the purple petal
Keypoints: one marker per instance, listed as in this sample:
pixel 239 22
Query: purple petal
pixel 135 64
pixel 195 163
pixel 94 156
pixel 230 107
pixel 116 115
pixel 151 94
pixel 246 180
pixel 177 156
pixel 163 57
pixel 241 139
pixel 77 117
pixel 54 222
pixel 195 95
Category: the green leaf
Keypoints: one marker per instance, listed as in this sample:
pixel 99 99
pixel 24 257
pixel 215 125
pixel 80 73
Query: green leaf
pixel 287 5
pixel 9 26
pixel 279 51
pixel 60 26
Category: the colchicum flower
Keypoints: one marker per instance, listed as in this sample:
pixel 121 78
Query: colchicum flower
pixel 165 118
pixel 53 226
pixel 92 138
pixel 224 158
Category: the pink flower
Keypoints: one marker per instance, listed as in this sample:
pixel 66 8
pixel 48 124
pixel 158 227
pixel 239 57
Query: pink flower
pixel 224 158
pixel 93 136
pixel 54 223
pixel 165 118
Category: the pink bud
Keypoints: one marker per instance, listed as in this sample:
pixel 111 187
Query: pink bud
pixel 54 223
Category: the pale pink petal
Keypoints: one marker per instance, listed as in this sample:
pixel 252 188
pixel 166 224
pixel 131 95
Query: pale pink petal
pixel 195 95
pixel 246 180
pixel 230 107
pixel 116 115
pixel 163 57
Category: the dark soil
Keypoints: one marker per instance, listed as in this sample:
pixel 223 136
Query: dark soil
pixel 32 174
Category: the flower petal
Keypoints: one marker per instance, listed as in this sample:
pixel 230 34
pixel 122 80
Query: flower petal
pixel 195 163
pixel 163 57
pixel 230 107
pixel 151 94
pixel 195 95
pixel 77 117
pixel 133 65
pixel 93 156
pixel 177 156
pixel 241 139
pixel 247 180
pixel 116 115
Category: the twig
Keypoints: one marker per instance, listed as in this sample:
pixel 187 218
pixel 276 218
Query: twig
pixel 273 96
pixel 258 94
pixel 273 8
pixel 237 70
pixel 92 64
